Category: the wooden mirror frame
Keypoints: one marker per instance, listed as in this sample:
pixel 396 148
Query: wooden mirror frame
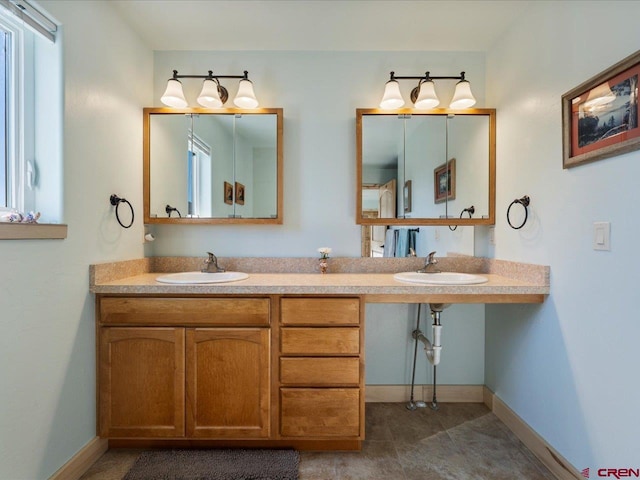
pixel 146 167
pixel 490 220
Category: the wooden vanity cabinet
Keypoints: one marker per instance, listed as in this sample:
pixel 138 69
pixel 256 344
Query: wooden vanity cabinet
pixel 187 369
pixel 208 378
pixel 321 368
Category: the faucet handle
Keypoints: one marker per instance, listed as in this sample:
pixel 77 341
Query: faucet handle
pixel 211 264
pixel 429 263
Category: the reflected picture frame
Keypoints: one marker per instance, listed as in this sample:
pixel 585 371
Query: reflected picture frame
pixel 228 193
pixel 600 116
pixel 239 193
pixel 444 182
pixel 406 196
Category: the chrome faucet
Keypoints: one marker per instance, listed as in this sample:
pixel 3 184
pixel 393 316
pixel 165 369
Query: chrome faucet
pixel 211 265
pixel 430 264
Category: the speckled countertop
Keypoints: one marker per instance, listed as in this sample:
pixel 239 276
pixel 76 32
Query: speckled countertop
pixel 509 282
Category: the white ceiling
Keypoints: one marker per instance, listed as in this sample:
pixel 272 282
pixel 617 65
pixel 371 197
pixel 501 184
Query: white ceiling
pixel 374 25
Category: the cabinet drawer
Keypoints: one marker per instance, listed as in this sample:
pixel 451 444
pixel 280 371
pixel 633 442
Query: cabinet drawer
pixel 320 341
pixel 320 311
pixel 320 371
pixel 185 311
pixel 320 412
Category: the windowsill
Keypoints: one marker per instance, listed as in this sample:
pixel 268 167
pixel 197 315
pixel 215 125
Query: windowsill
pixel 34 231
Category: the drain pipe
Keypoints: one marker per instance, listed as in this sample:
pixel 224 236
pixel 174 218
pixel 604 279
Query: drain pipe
pixel 434 349
pixel 431 349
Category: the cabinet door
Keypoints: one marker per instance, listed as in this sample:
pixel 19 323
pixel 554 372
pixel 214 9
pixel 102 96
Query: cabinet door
pixel 228 375
pixel 141 382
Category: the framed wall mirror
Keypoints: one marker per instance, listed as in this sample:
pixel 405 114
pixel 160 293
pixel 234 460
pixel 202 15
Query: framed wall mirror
pixel 430 168
pixel 207 166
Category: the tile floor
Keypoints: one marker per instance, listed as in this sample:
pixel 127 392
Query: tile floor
pixel 461 441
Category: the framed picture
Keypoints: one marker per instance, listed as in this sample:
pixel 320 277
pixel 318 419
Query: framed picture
pixel 239 193
pixel 406 195
pixel 600 116
pixel 228 193
pixel 444 182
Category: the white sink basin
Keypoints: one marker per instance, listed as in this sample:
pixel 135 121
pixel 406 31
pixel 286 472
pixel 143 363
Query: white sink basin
pixel 201 277
pixel 442 278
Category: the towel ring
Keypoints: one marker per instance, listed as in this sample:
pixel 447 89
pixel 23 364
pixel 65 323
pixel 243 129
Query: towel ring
pixel 116 201
pixel 170 209
pixel 471 210
pixel 524 201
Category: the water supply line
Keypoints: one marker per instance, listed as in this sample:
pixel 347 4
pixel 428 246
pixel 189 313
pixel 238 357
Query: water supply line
pixel 419 404
pixel 432 349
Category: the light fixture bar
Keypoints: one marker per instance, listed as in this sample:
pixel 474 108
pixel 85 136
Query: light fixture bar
pixel 174 96
pixel 210 75
pixel 427 98
pixel 427 77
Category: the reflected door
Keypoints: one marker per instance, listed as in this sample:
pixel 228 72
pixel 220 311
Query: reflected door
pixel 386 209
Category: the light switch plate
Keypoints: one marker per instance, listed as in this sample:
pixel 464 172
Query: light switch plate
pixel 602 236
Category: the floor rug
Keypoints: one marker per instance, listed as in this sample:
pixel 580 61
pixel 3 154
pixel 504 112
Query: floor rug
pixel 228 464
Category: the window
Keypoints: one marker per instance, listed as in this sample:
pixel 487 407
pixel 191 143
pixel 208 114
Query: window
pixel 198 177
pixel 17 112
pixel 4 71
pixel 30 96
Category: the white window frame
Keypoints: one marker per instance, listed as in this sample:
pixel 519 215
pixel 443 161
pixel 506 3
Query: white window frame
pixel 21 131
pixel 200 152
pixel 14 153
pixel 20 121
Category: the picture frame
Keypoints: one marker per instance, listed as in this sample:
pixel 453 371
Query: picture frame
pixel 406 195
pixel 228 193
pixel 444 182
pixel 239 193
pixel 600 116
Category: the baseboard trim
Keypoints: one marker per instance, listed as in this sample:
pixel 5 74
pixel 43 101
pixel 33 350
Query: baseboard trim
pixel 551 459
pixel 82 461
pixel 487 397
pixel 556 463
pixel 444 393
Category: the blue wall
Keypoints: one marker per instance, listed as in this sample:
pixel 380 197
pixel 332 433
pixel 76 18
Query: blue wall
pixel 569 368
pixel 319 92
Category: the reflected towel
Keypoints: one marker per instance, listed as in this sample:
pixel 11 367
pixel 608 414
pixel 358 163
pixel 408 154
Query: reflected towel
pixel 402 244
pixel 389 243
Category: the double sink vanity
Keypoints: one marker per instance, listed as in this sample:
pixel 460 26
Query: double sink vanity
pixel 271 353
pixel 274 359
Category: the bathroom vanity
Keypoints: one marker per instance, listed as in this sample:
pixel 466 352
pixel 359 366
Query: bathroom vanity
pixel 264 367
pixel 274 360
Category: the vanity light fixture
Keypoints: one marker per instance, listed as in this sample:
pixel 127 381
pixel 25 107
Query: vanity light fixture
pixel 424 96
pixel 212 95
